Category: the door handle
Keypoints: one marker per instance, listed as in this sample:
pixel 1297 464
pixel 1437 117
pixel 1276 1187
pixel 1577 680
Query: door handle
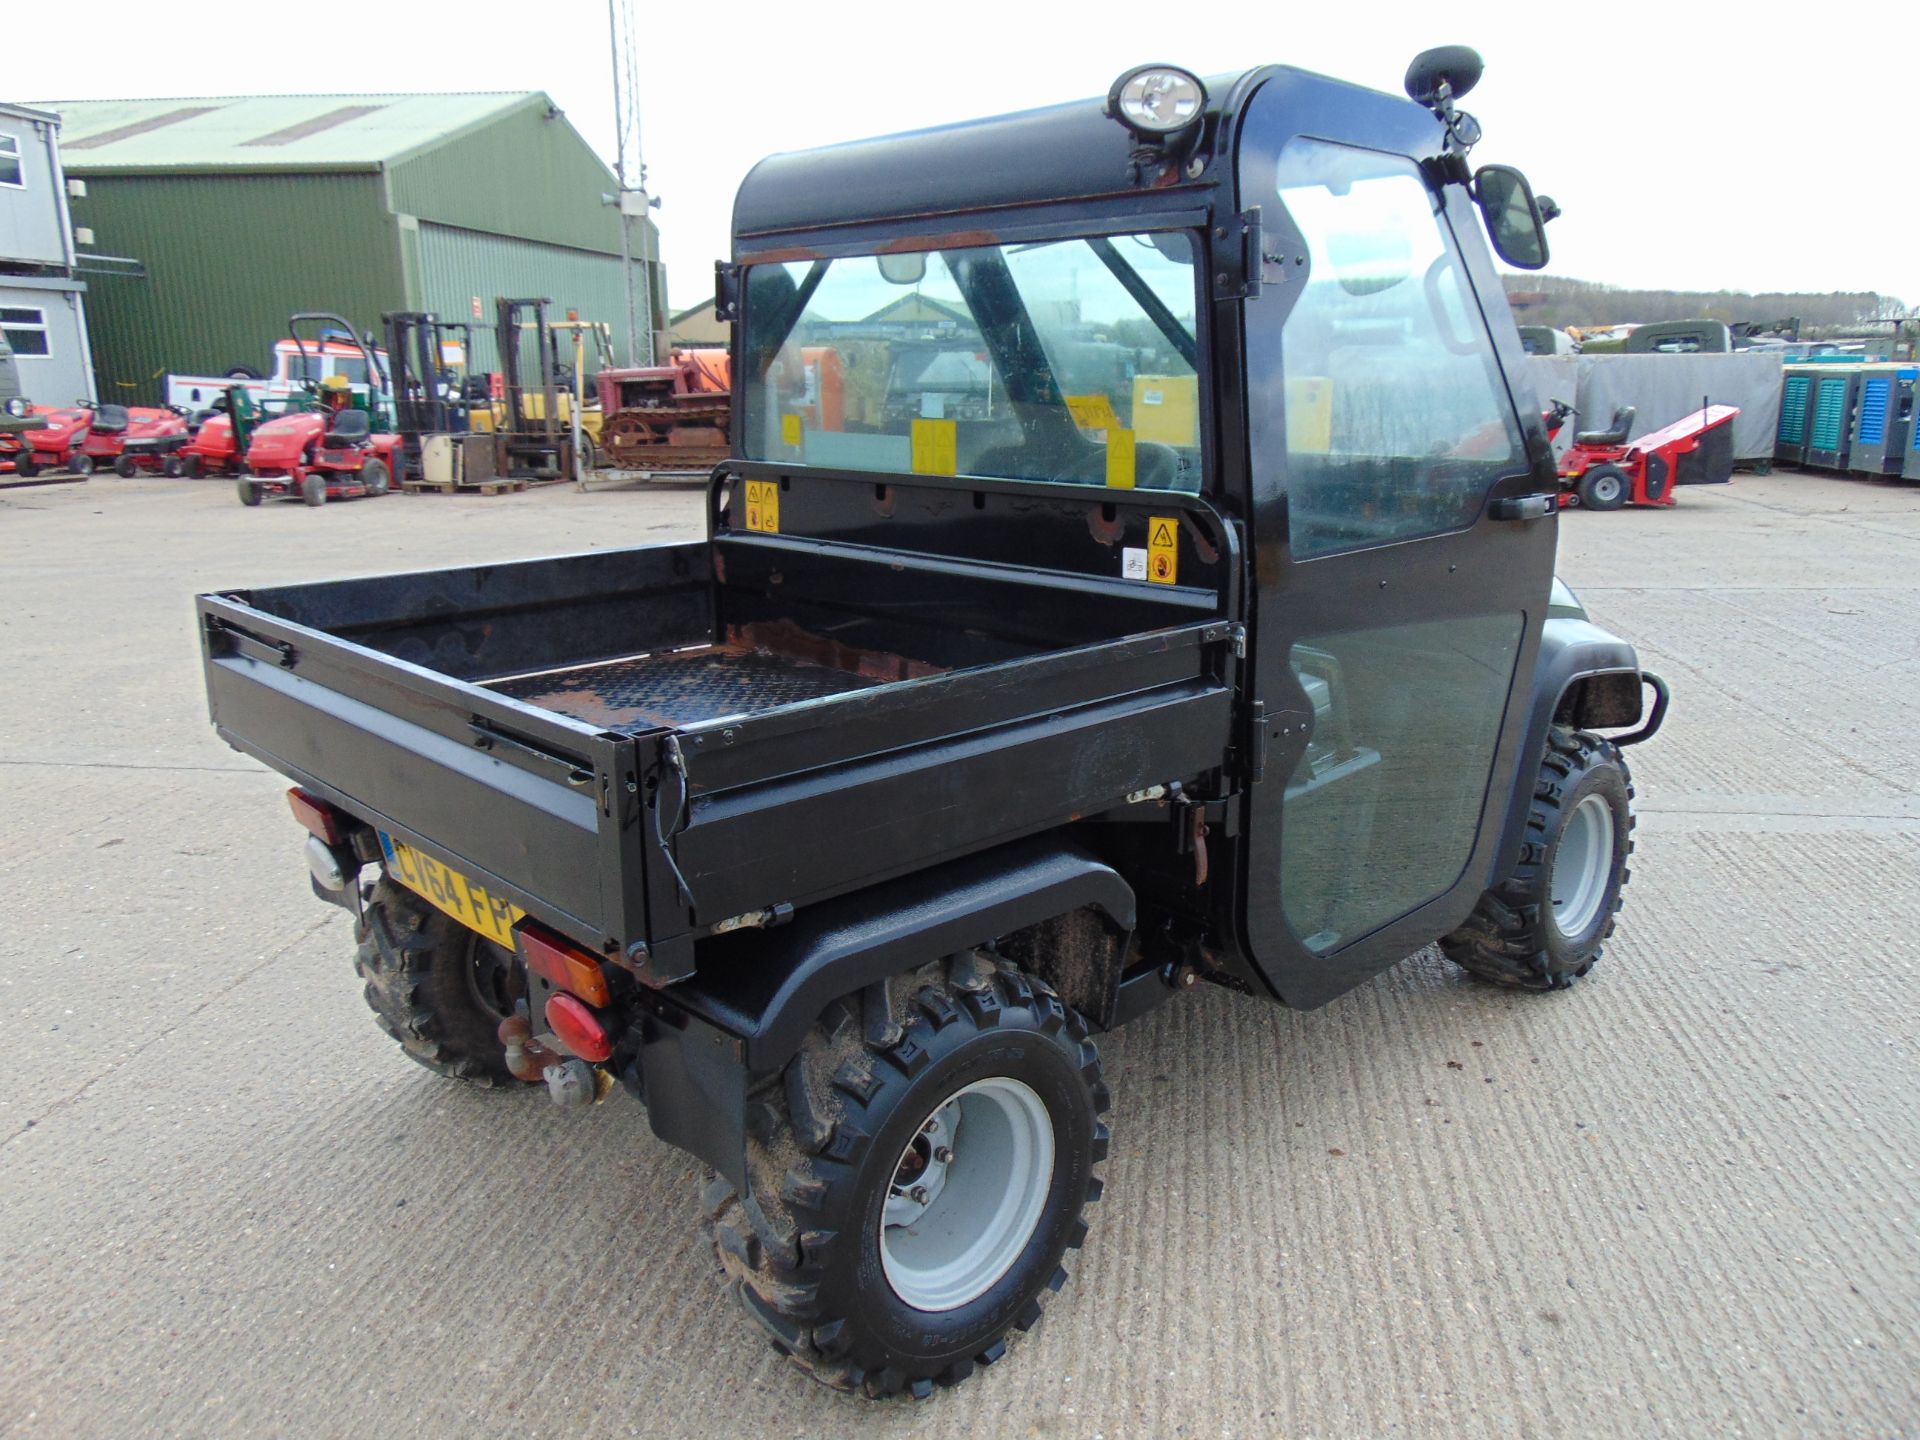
pixel 1524 507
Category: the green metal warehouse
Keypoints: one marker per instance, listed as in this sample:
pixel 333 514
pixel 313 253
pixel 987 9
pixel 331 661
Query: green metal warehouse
pixel 205 223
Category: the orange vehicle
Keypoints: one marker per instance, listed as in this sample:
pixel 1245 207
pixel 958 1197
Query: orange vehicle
pixel 667 418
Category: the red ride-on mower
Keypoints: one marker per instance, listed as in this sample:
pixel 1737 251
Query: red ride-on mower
pixel 319 455
pixel 81 438
pixel 218 445
pixel 330 451
pixel 145 440
pixel 1604 470
pixel 61 445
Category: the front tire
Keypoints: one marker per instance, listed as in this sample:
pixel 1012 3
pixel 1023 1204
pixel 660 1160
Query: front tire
pixel 1543 928
pixel 313 489
pixel 916 1177
pixel 375 476
pixel 249 492
pixel 80 463
pixel 126 467
pixel 435 986
pixel 25 466
pixel 1604 487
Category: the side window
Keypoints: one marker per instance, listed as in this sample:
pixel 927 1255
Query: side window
pixel 26 330
pixel 1397 421
pixel 10 172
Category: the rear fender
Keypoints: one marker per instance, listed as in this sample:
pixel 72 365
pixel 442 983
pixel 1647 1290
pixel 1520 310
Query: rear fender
pixel 756 993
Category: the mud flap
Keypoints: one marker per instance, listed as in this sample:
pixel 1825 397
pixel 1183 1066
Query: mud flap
pixel 693 1077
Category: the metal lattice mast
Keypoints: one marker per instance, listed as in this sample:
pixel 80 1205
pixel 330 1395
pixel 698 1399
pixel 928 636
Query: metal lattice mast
pixel 630 170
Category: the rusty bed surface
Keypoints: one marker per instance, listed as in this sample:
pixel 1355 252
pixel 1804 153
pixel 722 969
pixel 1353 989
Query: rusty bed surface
pixel 680 687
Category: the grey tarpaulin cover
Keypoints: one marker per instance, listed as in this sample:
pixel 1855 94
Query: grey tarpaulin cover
pixel 1662 388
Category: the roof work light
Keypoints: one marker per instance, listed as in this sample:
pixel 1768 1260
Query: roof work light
pixel 1157 102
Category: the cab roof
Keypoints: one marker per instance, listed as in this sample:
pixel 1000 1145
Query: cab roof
pixel 1062 152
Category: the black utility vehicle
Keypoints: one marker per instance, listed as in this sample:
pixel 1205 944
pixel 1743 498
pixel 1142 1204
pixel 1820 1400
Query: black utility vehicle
pixel 836 835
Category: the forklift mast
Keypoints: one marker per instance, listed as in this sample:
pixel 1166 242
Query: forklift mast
pixel 422 404
pixel 537 445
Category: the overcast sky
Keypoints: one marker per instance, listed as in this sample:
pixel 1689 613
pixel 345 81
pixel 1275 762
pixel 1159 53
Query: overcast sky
pixel 1691 146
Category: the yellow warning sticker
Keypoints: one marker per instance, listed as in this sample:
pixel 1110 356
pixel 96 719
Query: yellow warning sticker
pixel 936 445
pixel 1163 549
pixel 763 506
pixel 1093 412
pixel 1120 458
pixel 1310 415
pixel 791 430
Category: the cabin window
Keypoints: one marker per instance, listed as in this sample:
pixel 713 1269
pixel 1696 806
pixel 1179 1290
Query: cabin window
pixel 10 170
pixel 1071 361
pixel 1397 419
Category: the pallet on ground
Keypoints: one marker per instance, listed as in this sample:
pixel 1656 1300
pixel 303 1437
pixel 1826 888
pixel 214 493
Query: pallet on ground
pixel 449 487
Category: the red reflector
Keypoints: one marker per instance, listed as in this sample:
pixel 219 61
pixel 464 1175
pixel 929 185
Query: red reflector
pixel 578 1028
pixel 320 818
pixel 565 965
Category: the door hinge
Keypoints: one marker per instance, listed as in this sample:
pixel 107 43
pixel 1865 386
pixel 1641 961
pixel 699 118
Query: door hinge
pixel 1237 634
pixel 1237 259
pixel 726 291
pixel 1256 741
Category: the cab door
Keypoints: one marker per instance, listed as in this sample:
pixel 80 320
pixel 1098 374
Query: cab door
pixel 1397 612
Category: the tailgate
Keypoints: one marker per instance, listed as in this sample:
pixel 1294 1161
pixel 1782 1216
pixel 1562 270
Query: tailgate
pixel 527 803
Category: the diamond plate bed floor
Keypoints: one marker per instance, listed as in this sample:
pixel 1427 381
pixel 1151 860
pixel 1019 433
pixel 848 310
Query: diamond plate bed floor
pixel 681 687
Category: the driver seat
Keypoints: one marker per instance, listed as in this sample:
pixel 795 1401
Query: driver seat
pixel 1614 434
pixel 110 419
pixel 349 427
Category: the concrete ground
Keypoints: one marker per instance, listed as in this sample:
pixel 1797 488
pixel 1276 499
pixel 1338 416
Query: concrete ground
pixel 1679 1200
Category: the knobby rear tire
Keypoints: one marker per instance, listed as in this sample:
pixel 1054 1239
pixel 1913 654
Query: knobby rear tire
pixel 434 985
pixel 802 1250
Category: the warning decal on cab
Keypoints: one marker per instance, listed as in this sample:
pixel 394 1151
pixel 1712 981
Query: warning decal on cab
pixel 935 447
pixel 1163 549
pixel 763 506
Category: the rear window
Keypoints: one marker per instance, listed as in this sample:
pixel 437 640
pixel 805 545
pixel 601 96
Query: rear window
pixel 1071 361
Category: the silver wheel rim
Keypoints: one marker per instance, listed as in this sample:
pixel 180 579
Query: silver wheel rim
pixel 1582 866
pixel 967 1194
pixel 1606 488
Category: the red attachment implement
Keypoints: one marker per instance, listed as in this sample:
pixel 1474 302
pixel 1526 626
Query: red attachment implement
pixel 1604 470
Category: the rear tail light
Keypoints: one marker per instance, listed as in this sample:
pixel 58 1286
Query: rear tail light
pixel 320 819
pixel 565 964
pixel 579 1029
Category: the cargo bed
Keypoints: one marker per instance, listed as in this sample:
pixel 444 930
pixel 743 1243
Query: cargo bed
pixel 640 744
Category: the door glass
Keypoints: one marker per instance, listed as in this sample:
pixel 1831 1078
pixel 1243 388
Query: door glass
pixel 1382 811
pixel 1397 421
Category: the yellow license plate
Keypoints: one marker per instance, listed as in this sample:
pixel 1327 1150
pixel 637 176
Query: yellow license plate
pixel 449 890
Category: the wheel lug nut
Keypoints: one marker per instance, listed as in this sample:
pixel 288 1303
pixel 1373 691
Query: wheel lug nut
pixel 919 1194
pixel 942 1154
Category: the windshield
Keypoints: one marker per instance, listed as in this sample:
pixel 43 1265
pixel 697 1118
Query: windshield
pixel 1068 360
pixel 317 367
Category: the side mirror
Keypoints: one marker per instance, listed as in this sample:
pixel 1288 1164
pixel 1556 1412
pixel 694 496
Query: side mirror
pixel 1514 222
pixel 904 269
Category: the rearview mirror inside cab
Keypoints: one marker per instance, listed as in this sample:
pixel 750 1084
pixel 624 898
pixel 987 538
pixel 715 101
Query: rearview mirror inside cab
pixel 1514 223
pixel 905 269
